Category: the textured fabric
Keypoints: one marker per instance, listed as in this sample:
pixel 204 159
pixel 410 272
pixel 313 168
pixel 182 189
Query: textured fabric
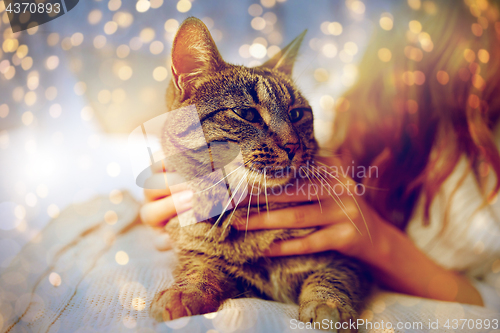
pixel 469 241
pixel 73 278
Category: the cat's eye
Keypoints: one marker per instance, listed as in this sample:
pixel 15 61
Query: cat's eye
pixel 249 114
pixel 297 114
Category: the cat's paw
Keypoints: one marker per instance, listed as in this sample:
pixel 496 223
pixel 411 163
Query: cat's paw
pixel 326 314
pixel 177 302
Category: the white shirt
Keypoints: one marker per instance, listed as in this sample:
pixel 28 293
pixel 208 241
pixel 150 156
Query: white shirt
pixel 470 242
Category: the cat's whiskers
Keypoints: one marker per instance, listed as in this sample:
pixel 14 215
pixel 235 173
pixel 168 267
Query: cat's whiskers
pixel 223 178
pixel 258 197
pixel 214 225
pixel 306 169
pixel 208 188
pixel 352 195
pixel 336 198
pixel 228 223
pixel 248 209
pixel 242 180
pixel 240 294
pixel 265 192
pixel 225 208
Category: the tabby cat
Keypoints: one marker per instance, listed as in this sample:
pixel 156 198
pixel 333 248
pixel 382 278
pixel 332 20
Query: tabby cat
pixel 261 111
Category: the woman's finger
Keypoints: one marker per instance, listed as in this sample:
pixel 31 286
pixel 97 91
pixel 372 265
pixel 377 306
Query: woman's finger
pixel 157 212
pixel 157 187
pixel 162 241
pixel 334 237
pixel 152 195
pixel 302 216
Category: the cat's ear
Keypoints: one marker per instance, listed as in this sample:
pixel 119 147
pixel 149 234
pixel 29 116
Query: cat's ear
pixel 284 60
pixel 194 53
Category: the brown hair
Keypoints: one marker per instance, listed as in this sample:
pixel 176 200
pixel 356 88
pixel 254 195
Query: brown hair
pixel 428 92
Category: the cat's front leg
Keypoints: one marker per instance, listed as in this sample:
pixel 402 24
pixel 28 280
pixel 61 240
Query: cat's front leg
pixel 200 286
pixel 332 297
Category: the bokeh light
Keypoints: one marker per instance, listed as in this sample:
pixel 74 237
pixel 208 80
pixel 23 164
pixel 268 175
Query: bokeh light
pixel 483 56
pixel 415 26
pixel 255 10
pixel 142 6
pixel 384 54
pixel 327 102
pixel 125 73
pixel 183 6
pixel 51 93
pixel 55 110
pixel 147 35
pixel 411 106
pixel 356 6
pixel 123 19
pixel 26 63
pixel 469 55
pixel 55 279
pixel 110 27
pixel 171 25
pixel 329 50
pixel 4 110
pixel 87 113
pixel 160 73
pixel 156 47
pixel 156 3
pixel 335 28
pixel 442 77
pixel 121 258
pixel 116 196
pixel 268 3
pixel 52 62
pixel 386 21
pixel 474 101
pixel 258 23
pixel 77 39
pixel 258 50
pixel 80 88
pixel 53 211
pixel 414 4
pixel 110 217
pixel 94 16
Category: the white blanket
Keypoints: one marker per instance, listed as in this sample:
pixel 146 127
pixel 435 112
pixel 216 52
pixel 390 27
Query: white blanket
pixel 73 278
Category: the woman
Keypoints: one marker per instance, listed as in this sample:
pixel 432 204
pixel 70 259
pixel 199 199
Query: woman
pixel 424 112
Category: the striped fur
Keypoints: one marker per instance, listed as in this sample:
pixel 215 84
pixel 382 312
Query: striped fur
pixel 216 261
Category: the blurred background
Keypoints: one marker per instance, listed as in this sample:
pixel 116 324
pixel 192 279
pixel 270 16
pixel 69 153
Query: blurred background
pixel 71 90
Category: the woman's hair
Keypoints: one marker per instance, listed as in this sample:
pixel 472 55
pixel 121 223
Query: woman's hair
pixel 428 92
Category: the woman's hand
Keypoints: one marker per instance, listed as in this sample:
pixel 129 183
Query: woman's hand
pixel 346 223
pixel 358 231
pixel 159 207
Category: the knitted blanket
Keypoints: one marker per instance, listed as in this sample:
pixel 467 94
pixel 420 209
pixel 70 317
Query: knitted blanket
pixel 94 269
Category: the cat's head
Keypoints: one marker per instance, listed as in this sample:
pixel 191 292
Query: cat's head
pixel 260 108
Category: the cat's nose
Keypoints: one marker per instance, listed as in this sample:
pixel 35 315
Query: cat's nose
pixel 291 149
